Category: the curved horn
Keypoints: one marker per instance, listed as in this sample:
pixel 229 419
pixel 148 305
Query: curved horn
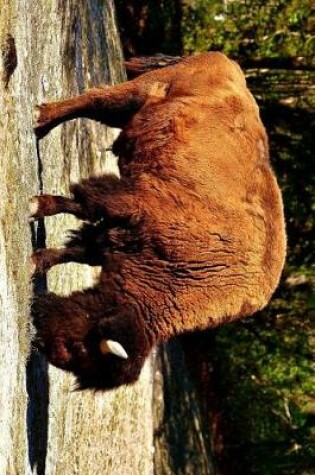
pixel 110 346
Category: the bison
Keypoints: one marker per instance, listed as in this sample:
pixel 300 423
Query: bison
pixel 189 237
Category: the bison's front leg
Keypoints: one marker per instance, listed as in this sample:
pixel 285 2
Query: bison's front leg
pixel 49 205
pixel 93 199
pixel 44 259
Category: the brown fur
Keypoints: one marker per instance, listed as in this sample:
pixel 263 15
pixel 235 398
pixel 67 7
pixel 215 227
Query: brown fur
pixel 191 236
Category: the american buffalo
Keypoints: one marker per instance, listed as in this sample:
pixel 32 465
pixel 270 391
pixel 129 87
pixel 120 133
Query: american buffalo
pixel 189 237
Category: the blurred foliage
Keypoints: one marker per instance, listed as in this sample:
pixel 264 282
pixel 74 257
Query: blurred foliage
pixel 291 131
pixel 242 29
pixel 276 28
pixel 261 369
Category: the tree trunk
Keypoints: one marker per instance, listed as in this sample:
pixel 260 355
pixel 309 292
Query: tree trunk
pixel 52 49
pixel 181 423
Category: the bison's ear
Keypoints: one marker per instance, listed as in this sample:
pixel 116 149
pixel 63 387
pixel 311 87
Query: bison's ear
pixel 111 346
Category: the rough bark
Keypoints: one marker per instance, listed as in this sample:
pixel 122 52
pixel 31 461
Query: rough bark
pixel 51 49
pixel 181 423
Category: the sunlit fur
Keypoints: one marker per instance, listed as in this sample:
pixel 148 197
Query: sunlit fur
pixel 190 237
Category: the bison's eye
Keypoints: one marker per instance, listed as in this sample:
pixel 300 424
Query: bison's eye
pixel 111 346
pixel 79 349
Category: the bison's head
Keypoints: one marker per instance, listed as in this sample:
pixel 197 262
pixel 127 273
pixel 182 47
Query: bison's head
pixel 104 351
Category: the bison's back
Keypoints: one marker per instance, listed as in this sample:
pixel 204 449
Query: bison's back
pixel 214 226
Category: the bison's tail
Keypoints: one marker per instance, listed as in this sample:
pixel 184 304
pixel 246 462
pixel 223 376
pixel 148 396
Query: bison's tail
pixel 137 66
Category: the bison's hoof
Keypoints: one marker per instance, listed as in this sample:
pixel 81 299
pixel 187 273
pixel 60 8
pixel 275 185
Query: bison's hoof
pixel 42 120
pixel 33 208
pixel 36 117
pixel 33 266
